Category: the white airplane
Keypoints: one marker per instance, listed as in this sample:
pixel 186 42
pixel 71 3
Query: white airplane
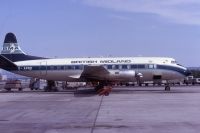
pixel 104 71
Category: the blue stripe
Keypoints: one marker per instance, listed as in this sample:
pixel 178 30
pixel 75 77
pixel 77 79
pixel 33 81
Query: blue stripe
pixel 80 67
pixel 172 68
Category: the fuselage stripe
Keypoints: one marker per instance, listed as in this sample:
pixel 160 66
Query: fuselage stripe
pixel 108 67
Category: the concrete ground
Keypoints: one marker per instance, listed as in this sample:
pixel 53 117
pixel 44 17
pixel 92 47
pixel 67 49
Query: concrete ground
pixel 127 110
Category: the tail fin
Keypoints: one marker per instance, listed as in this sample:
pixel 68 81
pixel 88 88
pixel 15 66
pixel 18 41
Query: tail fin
pixel 13 52
pixel 10 45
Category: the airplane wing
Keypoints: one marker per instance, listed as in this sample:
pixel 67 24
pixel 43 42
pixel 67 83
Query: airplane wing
pixel 94 72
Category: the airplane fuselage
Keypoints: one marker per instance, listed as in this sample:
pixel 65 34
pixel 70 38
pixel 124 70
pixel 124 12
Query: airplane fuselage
pixel 120 69
pixel 101 71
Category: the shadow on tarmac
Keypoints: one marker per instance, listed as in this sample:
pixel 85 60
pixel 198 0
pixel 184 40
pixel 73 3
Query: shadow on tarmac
pixel 89 92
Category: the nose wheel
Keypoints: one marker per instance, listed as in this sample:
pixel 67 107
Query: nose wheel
pixel 167 88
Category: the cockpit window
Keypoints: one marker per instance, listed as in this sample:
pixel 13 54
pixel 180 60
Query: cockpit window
pixel 179 64
pixel 173 62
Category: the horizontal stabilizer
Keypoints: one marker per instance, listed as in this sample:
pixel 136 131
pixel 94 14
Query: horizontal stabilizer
pixel 6 64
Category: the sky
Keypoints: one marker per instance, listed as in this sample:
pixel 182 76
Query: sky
pixel 104 28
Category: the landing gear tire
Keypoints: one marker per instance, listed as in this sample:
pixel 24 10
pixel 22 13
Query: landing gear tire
pixel 51 86
pixel 167 88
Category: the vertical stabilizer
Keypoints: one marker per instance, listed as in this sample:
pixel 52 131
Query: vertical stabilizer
pixel 13 52
pixel 10 45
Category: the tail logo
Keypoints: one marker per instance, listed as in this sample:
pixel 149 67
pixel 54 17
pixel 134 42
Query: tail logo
pixel 12 48
pixel 10 45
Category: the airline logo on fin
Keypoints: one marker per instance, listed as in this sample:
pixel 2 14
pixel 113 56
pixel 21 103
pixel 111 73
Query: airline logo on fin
pixel 10 45
pixel 10 48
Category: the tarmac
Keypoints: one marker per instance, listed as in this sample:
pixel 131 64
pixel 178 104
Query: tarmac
pixel 127 110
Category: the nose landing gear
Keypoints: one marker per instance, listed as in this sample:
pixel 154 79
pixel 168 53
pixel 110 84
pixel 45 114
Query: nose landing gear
pixel 167 88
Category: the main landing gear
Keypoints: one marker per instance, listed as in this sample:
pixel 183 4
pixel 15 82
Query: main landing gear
pixel 51 86
pixel 103 89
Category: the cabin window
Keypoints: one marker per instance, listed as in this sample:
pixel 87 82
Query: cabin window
pixel 58 67
pixel 150 66
pixel 133 66
pixel 109 66
pixel 62 67
pixel 79 67
pixel 124 67
pixel 116 66
pixel 51 67
pixel 69 67
pixel 141 66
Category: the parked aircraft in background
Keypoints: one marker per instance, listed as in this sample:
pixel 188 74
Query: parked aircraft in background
pixel 103 71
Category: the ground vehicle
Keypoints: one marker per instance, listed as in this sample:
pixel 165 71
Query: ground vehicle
pixel 13 84
pixel 196 81
pixel 188 80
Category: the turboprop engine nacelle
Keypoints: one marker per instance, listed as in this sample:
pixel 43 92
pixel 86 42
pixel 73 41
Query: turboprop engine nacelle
pixel 123 75
pixel 130 73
